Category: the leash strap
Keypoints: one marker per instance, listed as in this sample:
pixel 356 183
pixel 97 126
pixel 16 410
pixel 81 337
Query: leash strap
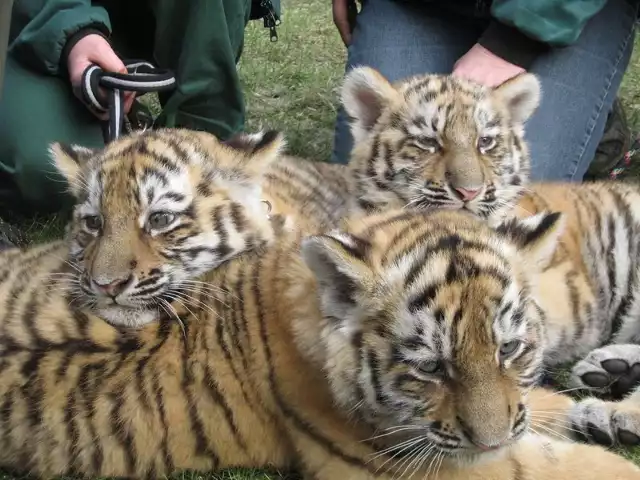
pixel 141 77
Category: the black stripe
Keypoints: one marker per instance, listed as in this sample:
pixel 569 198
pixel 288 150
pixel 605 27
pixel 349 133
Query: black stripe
pixel 358 248
pixel 21 281
pixel 90 394
pixel 574 301
pixel 632 228
pixel 174 196
pixel 525 236
pixel 223 247
pixel 374 368
pixel 455 326
pixel 164 443
pixel 5 417
pixel 371 161
pixel 139 382
pixel 197 426
pixel 217 396
pixel 29 316
pixel 33 390
pixel 424 298
pixel 449 244
pixel 237 217
pixel 121 431
pixel 73 434
pixel 288 410
pixel 149 173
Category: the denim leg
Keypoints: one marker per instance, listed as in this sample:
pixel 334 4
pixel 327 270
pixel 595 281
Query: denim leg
pixel 402 39
pixel 579 86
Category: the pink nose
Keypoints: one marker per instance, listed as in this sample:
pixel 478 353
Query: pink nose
pixel 467 194
pixel 114 288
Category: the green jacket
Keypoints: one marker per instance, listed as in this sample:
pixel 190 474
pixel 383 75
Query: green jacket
pixel 40 29
pixel 520 30
pixel 554 22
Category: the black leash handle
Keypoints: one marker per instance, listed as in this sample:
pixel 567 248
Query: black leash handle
pixel 141 77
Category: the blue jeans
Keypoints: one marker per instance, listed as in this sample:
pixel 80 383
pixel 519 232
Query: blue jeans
pixel 579 82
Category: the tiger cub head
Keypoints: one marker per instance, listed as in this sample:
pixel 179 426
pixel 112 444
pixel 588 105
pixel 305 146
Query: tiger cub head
pixel 430 327
pixel 154 210
pixel 436 141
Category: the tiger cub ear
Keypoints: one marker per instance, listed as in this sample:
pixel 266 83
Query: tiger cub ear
pixel 338 262
pixel 521 95
pixel 69 161
pixel 536 237
pixel 365 96
pixel 260 148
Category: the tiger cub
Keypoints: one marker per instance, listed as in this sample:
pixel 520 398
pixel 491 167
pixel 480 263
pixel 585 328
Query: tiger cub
pixel 406 343
pixel 154 211
pixel 429 141
pixel 438 141
pixel 592 284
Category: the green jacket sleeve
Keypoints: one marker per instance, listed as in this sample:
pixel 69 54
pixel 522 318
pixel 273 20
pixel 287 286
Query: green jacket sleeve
pixel 554 22
pixel 42 27
pixel 523 29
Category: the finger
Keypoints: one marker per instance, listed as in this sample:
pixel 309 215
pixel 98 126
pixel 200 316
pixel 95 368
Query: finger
pixel 129 98
pixel 341 20
pixel 106 58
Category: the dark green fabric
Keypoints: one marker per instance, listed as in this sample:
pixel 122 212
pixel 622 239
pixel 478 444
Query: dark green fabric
pixel 5 25
pixel 40 28
pixel 554 22
pixel 36 110
pixel 201 40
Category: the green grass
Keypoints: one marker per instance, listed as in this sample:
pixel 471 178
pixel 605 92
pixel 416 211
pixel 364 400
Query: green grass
pixel 292 85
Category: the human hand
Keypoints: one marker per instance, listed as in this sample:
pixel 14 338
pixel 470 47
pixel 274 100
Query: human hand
pixel 482 66
pixel 344 17
pixel 95 49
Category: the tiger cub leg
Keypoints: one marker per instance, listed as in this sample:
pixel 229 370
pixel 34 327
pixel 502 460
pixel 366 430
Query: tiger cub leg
pixel 609 423
pixel 613 370
pixel 591 419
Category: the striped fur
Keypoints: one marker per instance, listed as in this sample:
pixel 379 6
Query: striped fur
pixel 315 195
pixel 154 211
pixel 590 294
pixel 591 285
pixel 281 366
pixel 415 143
pixel 429 141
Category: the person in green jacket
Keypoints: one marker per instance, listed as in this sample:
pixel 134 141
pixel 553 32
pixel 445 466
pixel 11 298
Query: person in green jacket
pixel 51 42
pixel 579 49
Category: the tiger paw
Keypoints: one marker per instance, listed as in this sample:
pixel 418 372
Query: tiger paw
pixel 614 370
pixel 607 423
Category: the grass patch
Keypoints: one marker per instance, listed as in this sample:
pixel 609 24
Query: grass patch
pixel 292 85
